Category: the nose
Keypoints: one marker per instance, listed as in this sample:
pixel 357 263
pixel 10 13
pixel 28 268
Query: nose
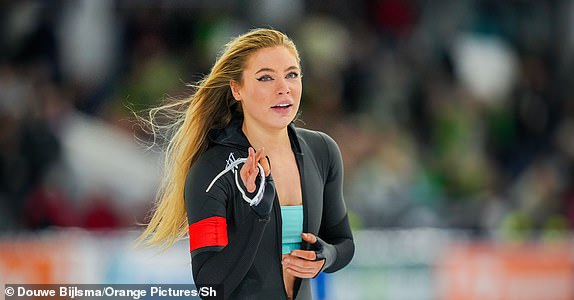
pixel 283 87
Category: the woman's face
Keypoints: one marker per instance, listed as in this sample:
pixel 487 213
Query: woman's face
pixel 270 91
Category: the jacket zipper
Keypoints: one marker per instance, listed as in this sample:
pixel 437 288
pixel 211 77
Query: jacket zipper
pixel 279 222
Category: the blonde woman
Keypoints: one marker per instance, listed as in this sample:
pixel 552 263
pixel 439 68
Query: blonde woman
pixel 261 223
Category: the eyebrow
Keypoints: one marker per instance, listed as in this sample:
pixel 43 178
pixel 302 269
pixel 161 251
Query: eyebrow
pixel 272 70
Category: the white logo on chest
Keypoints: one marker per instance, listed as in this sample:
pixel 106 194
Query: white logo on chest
pixel 230 160
pixel 232 164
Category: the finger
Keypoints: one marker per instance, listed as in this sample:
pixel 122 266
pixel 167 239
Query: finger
pixel 308 270
pixel 253 171
pixel 301 274
pixel 251 182
pixel 253 161
pixel 259 154
pixel 263 160
pixel 304 254
pixel 301 265
pixel 309 238
pixel 311 271
pixel 248 175
pixel 245 171
pixel 249 161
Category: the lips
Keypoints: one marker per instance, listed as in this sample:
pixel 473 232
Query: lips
pixel 282 105
pixel 283 108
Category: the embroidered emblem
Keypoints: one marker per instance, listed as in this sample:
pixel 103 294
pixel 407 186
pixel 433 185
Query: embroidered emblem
pixel 232 164
pixel 230 160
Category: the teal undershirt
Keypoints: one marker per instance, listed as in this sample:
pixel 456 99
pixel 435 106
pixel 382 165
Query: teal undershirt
pixel 292 219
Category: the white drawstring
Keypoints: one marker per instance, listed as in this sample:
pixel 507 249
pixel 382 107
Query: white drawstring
pixel 231 166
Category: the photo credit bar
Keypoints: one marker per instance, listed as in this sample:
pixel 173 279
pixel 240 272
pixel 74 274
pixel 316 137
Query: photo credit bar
pixel 203 292
pixel 112 291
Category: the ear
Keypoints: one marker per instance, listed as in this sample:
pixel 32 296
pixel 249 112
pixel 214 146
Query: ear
pixel 234 85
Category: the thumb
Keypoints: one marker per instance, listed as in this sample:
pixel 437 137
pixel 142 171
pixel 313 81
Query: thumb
pixel 309 238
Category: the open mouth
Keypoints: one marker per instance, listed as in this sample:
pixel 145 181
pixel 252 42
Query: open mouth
pixel 282 105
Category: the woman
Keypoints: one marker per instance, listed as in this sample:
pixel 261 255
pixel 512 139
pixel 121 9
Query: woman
pixel 261 223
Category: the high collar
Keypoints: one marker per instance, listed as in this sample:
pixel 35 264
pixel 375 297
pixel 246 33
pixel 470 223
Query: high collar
pixel 233 135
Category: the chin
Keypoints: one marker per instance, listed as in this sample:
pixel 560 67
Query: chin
pixel 280 124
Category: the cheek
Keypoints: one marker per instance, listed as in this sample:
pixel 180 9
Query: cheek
pixel 255 101
pixel 297 91
pixel 259 95
pixel 248 96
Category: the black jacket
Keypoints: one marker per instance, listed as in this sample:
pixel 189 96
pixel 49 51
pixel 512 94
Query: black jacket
pixel 232 245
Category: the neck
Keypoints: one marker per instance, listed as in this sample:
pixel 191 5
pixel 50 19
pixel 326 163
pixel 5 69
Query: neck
pixel 273 140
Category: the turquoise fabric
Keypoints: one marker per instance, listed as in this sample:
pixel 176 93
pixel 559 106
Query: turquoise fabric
pixel 292 218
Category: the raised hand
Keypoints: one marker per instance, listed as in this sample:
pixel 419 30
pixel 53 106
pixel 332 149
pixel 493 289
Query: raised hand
pixel 249 170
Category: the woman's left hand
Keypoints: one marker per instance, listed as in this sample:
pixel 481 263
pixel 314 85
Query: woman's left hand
pixel 303 263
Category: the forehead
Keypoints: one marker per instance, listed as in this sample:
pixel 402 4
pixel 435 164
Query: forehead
pixel 277 58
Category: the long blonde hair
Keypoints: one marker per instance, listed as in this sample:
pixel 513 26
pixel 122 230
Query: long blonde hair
pixel 211 106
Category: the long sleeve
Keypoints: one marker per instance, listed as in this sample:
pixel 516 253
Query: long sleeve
pixel 215 258
pixel 335 229
pixel 230 265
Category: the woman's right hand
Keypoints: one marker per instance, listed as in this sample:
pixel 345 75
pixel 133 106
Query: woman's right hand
pixel 249 170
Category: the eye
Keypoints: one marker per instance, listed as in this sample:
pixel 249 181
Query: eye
pixel 292 75
pixel 265 78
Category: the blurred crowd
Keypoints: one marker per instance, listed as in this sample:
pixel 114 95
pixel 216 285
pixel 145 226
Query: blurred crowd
pixel 450 114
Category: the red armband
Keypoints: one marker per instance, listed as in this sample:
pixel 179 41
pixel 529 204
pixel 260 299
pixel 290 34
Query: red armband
pixel 208 232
